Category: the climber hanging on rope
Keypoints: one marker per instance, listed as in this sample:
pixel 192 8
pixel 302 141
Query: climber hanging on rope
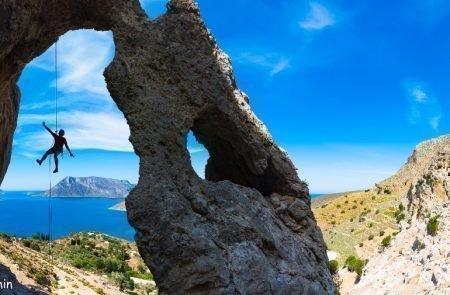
pixel 57 148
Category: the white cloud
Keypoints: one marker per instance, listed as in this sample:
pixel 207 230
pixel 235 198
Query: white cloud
pixel 419 94
pixel 83 55
pixel 424 107
pixel 104 131
pixel 435 122
pixel 196 150
pixel 318 17
pixel 280 66
pixel 274 64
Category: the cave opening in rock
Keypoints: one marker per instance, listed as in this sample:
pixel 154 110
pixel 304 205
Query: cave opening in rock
pixel 96 131
pixel 198 153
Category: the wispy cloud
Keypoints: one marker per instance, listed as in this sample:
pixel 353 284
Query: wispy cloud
pixel 424 107
pixel 273 63
pixel 419 95
pixel 82 58
pixel 435 121
pixel 318 17
pixel 104 131
pixel 196 150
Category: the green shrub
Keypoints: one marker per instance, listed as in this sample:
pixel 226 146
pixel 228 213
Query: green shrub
pixel 333 266
pixel 370 225
pixel 386 242
pixel 354 264
pixel 122 281
pixel 399 216
pixel 381 233
pixel 333 222
pixel 354 207
pixel 26 243
pixel 370 238
pixel 401 207
pixel 373 197
pixel 361 244
pixel 433 225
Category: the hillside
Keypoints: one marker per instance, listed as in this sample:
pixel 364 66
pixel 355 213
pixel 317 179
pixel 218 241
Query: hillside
pixel 417 163
pixel 91 187
pixel 357 224
pixel 419 254
pixel 84 263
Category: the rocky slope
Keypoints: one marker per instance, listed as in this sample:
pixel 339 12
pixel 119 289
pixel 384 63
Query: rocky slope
pixel 397 209
pixel 417 163
pixel 247 227
pixel 91 187
pixel 84 263
pixel 418 260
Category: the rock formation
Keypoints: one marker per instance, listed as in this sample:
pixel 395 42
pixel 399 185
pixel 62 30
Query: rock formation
pixel 247 228
pixel 417 163
pixel 417 262
pixel 91 187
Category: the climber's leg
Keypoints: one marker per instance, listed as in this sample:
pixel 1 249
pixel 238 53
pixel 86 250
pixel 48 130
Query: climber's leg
pixel 49 152
pixel 56 162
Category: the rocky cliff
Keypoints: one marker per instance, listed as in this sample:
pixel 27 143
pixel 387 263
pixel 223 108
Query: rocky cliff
pixel 91 187
pixel 248 227
pixel 417 261
pixel 417 163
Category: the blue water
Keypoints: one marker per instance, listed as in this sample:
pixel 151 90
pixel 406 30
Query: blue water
pixel 315 195
pixel 24 215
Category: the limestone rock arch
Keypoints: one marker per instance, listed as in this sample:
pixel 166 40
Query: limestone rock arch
pixel 247 228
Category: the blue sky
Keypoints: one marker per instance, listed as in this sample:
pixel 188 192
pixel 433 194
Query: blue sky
pixel 348 88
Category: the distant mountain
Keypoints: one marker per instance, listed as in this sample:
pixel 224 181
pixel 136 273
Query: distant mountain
pixel 91 187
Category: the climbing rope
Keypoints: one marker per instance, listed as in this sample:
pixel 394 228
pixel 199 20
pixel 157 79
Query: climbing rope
pixel 50 208
pixel 56 84
pixel 50 216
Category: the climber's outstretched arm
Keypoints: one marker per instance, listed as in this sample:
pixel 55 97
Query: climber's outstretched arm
pixel 49 130
pixel 70 152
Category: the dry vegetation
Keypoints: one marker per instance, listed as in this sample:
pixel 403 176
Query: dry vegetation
pixel 357 222
pixel 85 263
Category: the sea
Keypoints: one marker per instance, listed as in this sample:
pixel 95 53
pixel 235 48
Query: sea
pixel 23 215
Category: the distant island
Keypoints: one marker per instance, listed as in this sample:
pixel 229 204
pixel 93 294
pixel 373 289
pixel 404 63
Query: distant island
pixel 119 207
pixel 91 187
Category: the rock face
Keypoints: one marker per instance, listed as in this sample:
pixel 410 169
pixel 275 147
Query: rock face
pixel 247 228
pixel 418 261
pixel 91 187
pixel 417 163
